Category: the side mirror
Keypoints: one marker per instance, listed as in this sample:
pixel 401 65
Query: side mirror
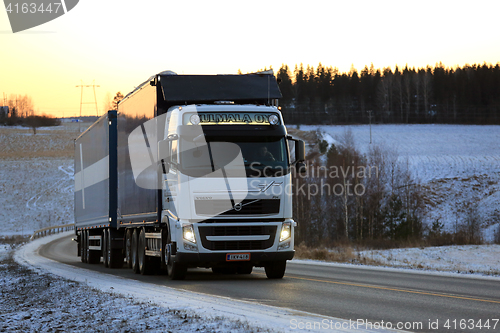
pixel 300 151
pixel 300 167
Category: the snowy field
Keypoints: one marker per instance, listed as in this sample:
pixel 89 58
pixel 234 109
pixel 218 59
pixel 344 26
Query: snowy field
pixel 458 164
pixel 36 178
pixel 36 193
pixel 433 151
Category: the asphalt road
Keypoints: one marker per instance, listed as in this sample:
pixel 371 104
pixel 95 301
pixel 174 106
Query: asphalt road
pixel 419 302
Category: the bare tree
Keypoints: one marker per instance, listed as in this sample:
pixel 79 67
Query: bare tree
pixel 34 122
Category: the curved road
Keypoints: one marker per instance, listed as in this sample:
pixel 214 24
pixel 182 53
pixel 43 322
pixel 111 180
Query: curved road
pixel 419 301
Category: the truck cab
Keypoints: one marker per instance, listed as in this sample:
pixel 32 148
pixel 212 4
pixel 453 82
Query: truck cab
pixel 227 188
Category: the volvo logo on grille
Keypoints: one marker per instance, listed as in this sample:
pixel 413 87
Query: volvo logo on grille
pixel 238 207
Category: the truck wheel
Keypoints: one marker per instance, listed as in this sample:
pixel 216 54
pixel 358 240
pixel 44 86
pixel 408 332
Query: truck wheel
pixel 176 271
pixel 94 256
pixel 85 247
pixel 128 252
pixel 162 265
pixel 133 252
pixel 145 262
pixel 79 246
pixel 104 248
pixel 86 242
pixel 82 246
pixel 275 269
pixel 115 256
pixel 87 251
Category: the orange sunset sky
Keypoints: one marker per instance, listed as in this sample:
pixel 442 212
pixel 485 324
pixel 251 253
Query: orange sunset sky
pixel 119 44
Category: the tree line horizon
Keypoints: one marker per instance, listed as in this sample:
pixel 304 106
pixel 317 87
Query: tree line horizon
pixel 324 95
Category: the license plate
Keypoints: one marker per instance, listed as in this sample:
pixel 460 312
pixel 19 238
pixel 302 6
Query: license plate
pixel 237 256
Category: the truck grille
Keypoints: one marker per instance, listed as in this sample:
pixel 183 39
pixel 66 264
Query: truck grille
pixel 237 231
pixel 246 207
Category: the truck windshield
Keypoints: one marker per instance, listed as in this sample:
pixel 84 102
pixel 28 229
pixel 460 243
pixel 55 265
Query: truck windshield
pixel 260 156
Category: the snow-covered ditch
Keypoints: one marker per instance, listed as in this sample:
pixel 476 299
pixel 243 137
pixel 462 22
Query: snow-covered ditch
pixel 35 301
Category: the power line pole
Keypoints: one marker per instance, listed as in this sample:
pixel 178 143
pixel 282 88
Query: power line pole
pixel 370 117
pixel 93 85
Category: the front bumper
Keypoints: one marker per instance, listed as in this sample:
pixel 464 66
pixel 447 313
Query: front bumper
pixel 258 259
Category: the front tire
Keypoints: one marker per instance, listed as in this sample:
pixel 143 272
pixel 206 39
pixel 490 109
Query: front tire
pixel 175 270
pixel 275 269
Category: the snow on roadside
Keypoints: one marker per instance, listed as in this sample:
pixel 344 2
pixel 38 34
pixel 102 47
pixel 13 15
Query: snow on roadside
pixel 36 302
pixel 199 312
pixel 482 259
pixel 473 261
pixel 4 251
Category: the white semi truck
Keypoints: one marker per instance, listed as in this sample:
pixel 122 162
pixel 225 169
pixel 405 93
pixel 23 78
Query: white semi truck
pixel 190 171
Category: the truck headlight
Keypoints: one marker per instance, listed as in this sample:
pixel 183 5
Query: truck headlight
pixel 274 120
pixel 188 233
pixel 195 119
pixel 286 231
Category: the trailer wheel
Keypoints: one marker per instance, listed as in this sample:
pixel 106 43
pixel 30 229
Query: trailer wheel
pixel 104 248
pixel 115 256
pixel 145 262
pixel 82 246
pixel 175 270
pixel 79 245
pixel 128 252
pixel 85 247
pixel 133 252
pixel 275 269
